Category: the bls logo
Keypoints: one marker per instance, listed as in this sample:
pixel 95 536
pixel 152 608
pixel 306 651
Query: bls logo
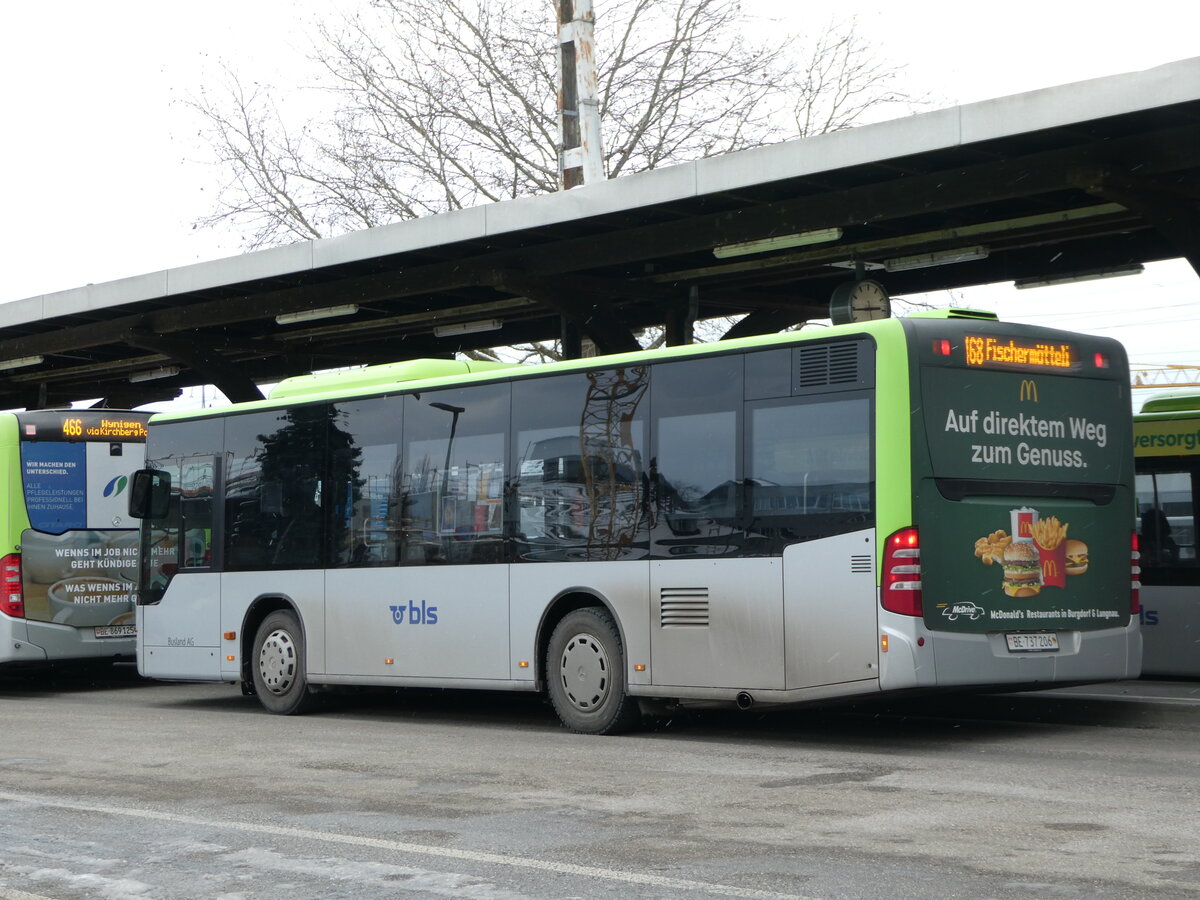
pixel 417 615
pixel 1148 616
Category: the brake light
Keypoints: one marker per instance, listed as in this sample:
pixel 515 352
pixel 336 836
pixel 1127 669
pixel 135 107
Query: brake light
pixel 12 603
pixel 902 573
pixel 1100 360
pixel 1135 587
pixel 941 347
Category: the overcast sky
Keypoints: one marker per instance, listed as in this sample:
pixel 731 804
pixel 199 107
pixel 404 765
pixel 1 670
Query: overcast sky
pixel 103 175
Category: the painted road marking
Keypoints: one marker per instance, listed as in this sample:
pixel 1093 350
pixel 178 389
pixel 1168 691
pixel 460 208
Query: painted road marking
pixel 495 859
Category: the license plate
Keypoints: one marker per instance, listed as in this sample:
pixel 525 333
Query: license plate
pixel 1032 643
pixel 111 631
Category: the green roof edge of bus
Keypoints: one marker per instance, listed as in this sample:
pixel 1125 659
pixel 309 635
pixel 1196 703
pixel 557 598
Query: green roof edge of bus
pixel 385 374
pixel 955 312
pixel 1178 403
pixel 340 392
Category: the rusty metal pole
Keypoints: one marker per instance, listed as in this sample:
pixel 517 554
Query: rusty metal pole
pixel 579 160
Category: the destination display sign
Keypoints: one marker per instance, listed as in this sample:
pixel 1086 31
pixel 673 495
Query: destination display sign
pixel 82 425
pixel 1009 352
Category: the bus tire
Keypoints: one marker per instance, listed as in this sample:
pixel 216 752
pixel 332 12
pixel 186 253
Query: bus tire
pixel 278 665
pixel 585 674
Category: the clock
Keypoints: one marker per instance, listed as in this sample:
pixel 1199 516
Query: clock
pixel 859 301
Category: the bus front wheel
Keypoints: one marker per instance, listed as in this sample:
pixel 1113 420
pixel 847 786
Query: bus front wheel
pixel 278 665
pixel 585 674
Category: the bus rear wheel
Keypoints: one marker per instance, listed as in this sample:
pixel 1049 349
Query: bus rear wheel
pixel 585 674
pixel 278 665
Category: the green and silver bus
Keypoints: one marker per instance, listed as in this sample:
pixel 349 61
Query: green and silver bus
pixel 776 520
pixel 1166 448
pixel 69 563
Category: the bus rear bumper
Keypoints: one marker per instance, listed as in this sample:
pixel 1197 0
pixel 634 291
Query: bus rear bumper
pixel 45 641
pixel 1103 655
pixel 916 657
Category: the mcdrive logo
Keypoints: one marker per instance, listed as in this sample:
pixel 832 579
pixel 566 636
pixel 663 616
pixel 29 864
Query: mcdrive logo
pixel 415 615
pixel 114 487
pixel 970 610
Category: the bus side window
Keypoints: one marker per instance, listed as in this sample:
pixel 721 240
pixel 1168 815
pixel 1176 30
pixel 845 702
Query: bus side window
pixel 808 470
pixel 579 489
pixel 196 483
pixel 696 463
pixel 1166 519
pixel 453 476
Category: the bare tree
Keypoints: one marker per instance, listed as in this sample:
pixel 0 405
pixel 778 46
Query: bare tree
pixel 436 105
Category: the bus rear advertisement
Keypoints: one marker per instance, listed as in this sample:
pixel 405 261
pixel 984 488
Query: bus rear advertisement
pixel 1035 469
pixel 909 504
pixel 71 548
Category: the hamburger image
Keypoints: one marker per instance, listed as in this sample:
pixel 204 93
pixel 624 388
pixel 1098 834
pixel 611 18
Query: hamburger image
pixel 1022 570
pixel 1077 557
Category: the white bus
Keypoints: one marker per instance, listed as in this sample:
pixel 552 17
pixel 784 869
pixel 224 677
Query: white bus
pixel 771 520
pixel 70 547
pixel 1167 448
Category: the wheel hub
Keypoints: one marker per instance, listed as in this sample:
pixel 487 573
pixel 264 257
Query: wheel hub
pixel 585 672
pixel 277 662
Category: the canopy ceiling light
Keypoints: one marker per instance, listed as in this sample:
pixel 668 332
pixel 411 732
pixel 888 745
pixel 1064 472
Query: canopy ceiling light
pixel 155 374
pixel 309 315
pixel 457 328
pixel 1072 277
pixel 782 242
pixel 22 361
pixel 937 258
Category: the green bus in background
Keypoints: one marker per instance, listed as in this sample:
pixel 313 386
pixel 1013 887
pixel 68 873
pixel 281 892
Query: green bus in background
pixel 938 501
pixel 1166 445
pixel 69 558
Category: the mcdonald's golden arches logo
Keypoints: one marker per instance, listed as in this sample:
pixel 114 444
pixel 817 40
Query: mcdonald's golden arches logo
pixel 1049 568
pixel 1029 390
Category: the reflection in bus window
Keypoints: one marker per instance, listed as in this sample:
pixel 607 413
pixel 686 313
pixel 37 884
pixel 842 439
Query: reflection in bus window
pixel 580 486
pixel 365 483
pixel 195 505
pixel 453 479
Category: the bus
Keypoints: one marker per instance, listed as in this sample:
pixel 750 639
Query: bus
pixel 1166 436
pixel 70 556
pixel 891 506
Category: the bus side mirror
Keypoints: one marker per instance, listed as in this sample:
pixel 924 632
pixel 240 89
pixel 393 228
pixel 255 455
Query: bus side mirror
pixel 150 494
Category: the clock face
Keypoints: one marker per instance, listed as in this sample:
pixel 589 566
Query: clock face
pixel 859 301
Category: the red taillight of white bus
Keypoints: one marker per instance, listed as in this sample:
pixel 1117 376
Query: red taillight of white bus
pixel 12 603
pixel 902 573
pixel 1135 588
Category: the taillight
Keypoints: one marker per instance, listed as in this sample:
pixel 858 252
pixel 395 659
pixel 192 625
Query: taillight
pixel 1135 588
pixel 12 603
pixel 902 573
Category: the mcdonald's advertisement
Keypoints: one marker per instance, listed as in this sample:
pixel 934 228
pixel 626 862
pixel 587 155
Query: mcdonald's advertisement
pixel 1028 565
pixel 1005 425
pixel 1052 554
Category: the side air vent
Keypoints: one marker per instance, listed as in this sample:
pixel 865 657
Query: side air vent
pixel 860 565
pixel 826 364
pixel 684 607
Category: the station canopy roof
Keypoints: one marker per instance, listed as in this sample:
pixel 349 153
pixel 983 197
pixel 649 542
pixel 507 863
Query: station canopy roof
pixel 1080 178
